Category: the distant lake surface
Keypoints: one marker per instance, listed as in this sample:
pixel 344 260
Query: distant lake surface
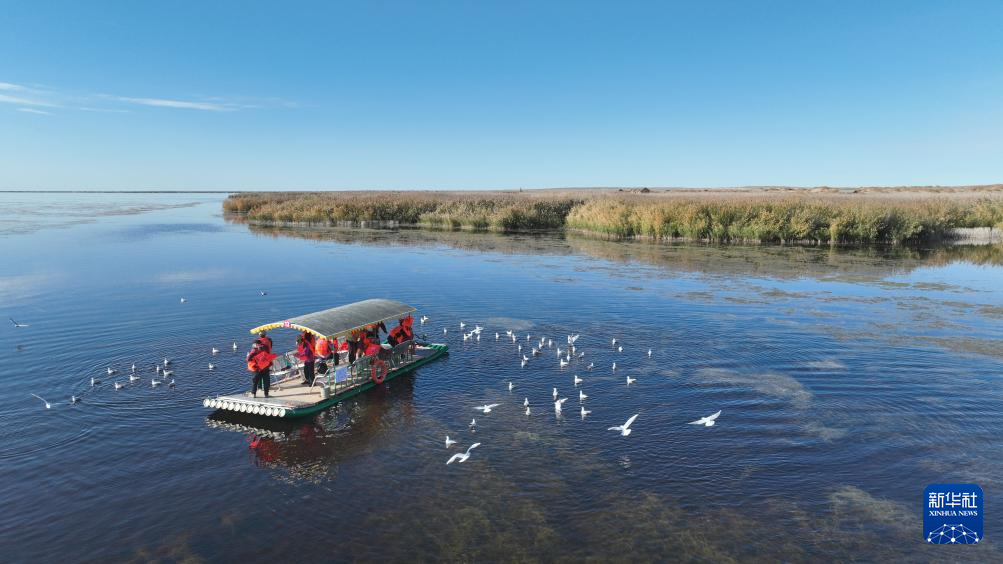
pixel 848 380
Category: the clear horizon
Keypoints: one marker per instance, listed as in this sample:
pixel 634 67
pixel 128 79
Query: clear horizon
pixel 234 96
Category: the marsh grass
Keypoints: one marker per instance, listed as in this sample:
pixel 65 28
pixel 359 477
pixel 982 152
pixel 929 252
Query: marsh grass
pixel 725 216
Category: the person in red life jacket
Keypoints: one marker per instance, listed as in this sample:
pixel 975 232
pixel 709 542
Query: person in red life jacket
pixel 322 349
pixel 354 345
pixel 304 352
pixel 265 341
pixel 259 361
pixel 406 323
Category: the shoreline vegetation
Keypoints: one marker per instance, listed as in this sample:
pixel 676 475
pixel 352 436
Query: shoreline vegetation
pixel 906 215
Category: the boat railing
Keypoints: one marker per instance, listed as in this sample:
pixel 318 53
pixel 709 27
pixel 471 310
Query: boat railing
pixel 361 370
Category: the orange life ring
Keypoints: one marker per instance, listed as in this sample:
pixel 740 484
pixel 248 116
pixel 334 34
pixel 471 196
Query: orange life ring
pixel 378 371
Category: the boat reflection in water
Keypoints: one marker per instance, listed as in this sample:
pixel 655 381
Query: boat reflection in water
pixel 311 446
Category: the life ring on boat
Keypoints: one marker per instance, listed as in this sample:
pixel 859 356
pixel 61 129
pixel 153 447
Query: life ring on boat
pixel 378 370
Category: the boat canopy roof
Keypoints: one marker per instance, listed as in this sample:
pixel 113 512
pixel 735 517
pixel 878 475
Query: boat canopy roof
pixel 342 320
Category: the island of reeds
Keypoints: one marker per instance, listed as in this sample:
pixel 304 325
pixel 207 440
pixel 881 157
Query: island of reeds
pixel 772 215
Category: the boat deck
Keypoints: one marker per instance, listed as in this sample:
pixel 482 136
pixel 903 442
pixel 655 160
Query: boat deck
pixel 292 394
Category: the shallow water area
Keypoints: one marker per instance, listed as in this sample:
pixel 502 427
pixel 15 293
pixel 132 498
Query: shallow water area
pixel 848 380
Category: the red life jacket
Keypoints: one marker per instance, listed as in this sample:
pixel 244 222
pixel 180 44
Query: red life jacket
pixel 399 334
pixel 260 360
pixel 323 347
pixel 265 342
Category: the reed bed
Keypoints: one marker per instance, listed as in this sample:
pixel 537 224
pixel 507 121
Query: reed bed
pixel 784 217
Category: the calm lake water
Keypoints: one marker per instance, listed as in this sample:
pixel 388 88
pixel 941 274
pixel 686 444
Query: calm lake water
pixel 849 380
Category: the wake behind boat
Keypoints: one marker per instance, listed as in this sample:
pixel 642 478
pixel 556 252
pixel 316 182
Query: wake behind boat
pixel 340 375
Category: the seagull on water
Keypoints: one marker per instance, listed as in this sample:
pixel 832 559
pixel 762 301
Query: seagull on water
pixel 154 382
pixel 585 412
pixel 16 324
pixel 473 423
pixel 168 373
pixel 564 363
pixel 614 341
pixel 449 442
pixel 111 371
pixel 550 343
pixel 215 351
pixel 423 319
pixel 477 329
pixel 520 348
pixel 462 325
pixel 555 393
pixel 133 366
pixel 577 380
pixel 625 428
pixel 525 402
pixel 443 330
pixel 581 396
pixel 510 386
pixel 487 408
pixel 591 364
pixel 119 385
pixel 706 421
pixel 525 358
pixel 166 361
pixel 212 366
pixel 74 399
pixel 47 406
pixel 235 345
pixel 133 377
pixel 462 457
pixel 508 333
pixel 497 336
pixel 527 410
pixel 95 382
pixel 619 349
pixel 183 300
pixel 172 383
pixel 558 404
pixel 558 352
pixel 527 337
pixel 263 293
pixel 631 380
pixel 523 365
pixel 614 367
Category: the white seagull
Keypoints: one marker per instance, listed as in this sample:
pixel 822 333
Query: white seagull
pixel 47 406
pixel 133 366
pixel 74 399
pixel 555 393
pixel 487 408
pixel 423 319
pixel 585 412
pixel 523 365
pixel 619 349
pixel 706 421
pixel 525 402
pixel 462 325
pixel 111 371
pixel 564 363
pixel 473 423
pixel 527 410
pixel 649 353
pixel 462 456
pixel 235 345
pixel 16 324
pixel 625 428
pixel 95 382
pixel 497 336
pixel 166 361
pixel 614 367
pixel 183 300
pixel 154 382
pixel 614 341
pixel 168 373
pixel 212 366
pixel 578 380
pixel 510 386
pixel 119 385
pixel 591 364
pixel 581 396
pixel 443 330
pixel 631 380
pixel 133 377
pixel 508 333
pixel 449 442
pixel 558 404
pixel 215 351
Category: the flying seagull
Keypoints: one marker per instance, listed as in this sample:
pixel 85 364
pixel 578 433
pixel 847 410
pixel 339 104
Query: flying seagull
pixel 706 421
pixel 47 406
pixel 625 428
pixel 557 405
pixel 462 457
pixel 16 324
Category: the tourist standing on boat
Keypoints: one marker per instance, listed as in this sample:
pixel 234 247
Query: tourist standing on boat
pixel 354 344
pixel 265 341
pixel 259 361
pixel 304 352
pixel 323 349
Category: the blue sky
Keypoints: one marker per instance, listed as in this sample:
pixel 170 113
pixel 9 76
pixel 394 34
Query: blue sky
pixel 338 95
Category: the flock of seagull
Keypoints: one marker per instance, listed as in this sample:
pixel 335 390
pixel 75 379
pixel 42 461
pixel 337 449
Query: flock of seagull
pixel 160 377
pixel 565 357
